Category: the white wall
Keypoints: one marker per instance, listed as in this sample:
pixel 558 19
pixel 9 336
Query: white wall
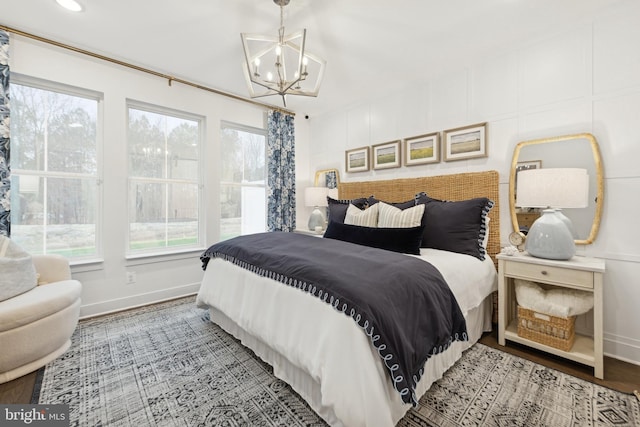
pixel 104 283
pixel 582 79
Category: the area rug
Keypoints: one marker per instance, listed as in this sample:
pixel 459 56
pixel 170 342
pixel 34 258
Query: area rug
pixel 168 365
pixel 489 387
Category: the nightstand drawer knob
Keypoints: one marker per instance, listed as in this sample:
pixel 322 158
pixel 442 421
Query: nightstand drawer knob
pixel 544 272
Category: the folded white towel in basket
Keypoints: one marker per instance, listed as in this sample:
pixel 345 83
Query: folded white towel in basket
pixel 559 302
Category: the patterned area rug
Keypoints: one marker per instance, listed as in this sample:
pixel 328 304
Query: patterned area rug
pixel 488 387
pixel 167 365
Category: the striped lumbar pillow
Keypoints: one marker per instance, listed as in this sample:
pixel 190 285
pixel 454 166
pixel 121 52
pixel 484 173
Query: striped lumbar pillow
pixel 364 218
pixel 392 217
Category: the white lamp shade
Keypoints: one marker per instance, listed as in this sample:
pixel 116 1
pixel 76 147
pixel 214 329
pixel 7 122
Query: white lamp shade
pixel 553 187
pixel 333 193
pixel 315 196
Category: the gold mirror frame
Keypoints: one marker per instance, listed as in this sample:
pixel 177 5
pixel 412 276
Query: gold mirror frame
pixel 324 171
pixel 595 226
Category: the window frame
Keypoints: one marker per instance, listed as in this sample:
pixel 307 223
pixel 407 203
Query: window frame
pixel 224 124
pixel 165 252
pixel 98 97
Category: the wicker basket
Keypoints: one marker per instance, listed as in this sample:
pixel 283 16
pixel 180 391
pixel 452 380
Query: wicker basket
pixel 557 332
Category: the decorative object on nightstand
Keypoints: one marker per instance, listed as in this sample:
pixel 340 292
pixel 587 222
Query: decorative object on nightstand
pixel 317 197
pixel 579 280
pixel 551 235
pixel 509 250
pixel 517 239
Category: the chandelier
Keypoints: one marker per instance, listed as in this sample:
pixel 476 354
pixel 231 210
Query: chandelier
pixel 280 65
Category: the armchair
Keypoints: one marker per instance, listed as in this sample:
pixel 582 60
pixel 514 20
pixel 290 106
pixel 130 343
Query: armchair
pixel 36 326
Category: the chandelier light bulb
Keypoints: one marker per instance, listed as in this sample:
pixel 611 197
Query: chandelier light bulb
pixel 269 76
pixel 71 5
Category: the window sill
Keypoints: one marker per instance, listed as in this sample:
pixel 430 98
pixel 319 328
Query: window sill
pixel 84 265
pixel 154 257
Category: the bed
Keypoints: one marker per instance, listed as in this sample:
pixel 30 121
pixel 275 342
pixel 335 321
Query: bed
pixel 325 355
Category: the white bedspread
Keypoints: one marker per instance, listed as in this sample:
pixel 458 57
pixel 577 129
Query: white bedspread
pixel 354 389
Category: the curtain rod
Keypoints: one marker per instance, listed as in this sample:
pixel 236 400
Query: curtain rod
pixel 169 78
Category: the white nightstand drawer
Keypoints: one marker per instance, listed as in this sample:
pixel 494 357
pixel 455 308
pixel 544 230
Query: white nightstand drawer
pixel 543 273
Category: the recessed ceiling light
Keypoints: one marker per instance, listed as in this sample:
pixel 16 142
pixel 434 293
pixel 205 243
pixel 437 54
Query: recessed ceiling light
pixel 71 5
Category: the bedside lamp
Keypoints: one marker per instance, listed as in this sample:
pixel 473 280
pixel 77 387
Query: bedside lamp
pixel 316 197
pixel 551 236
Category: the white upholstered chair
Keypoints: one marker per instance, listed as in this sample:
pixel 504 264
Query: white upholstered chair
pixel 36 326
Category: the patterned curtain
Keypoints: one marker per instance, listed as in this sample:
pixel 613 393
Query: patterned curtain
pixel 331 179
pixel 331 182
pixel 281 203
pixel 5 170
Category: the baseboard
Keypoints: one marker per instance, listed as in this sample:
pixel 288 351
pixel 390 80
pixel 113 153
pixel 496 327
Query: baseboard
pixel 133 301
pixel 622 348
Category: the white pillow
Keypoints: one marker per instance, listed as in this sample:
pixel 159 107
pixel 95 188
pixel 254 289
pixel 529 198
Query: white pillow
pixel 364 218
pixel 18 272
pixel 392 217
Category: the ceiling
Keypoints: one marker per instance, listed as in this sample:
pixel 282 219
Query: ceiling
pixel 371 46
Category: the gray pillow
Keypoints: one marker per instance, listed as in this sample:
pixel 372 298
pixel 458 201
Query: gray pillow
pixel 18 272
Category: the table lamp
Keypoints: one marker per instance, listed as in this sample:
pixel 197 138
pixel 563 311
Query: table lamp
pixel 316 197
pixel 551 236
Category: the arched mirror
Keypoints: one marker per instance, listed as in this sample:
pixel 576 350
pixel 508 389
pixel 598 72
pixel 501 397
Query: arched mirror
pixel 569 151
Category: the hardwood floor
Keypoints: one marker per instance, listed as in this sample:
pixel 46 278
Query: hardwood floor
pixel 19 390
pixel 621 376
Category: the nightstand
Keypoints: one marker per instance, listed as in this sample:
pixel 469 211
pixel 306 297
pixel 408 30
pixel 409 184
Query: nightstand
pixel 582 273
pixel 309 232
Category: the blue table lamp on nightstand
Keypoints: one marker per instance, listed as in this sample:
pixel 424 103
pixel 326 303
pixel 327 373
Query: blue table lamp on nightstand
pixel 551 236
pixel 316 197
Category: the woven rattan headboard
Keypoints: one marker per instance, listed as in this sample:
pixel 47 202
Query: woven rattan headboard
pixel 459 186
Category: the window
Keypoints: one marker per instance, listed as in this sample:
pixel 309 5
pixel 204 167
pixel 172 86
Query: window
pixel 55 189
pixel 164 179
pixel 243 186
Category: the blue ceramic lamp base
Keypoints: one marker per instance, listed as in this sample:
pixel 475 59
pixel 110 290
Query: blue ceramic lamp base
pixel 550 238
pixel 316 219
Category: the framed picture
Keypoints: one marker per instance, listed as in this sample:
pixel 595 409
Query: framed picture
pixel 423 149
pixel 530 164
pixel 387 155
pixel 467 142
pixel 357 160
